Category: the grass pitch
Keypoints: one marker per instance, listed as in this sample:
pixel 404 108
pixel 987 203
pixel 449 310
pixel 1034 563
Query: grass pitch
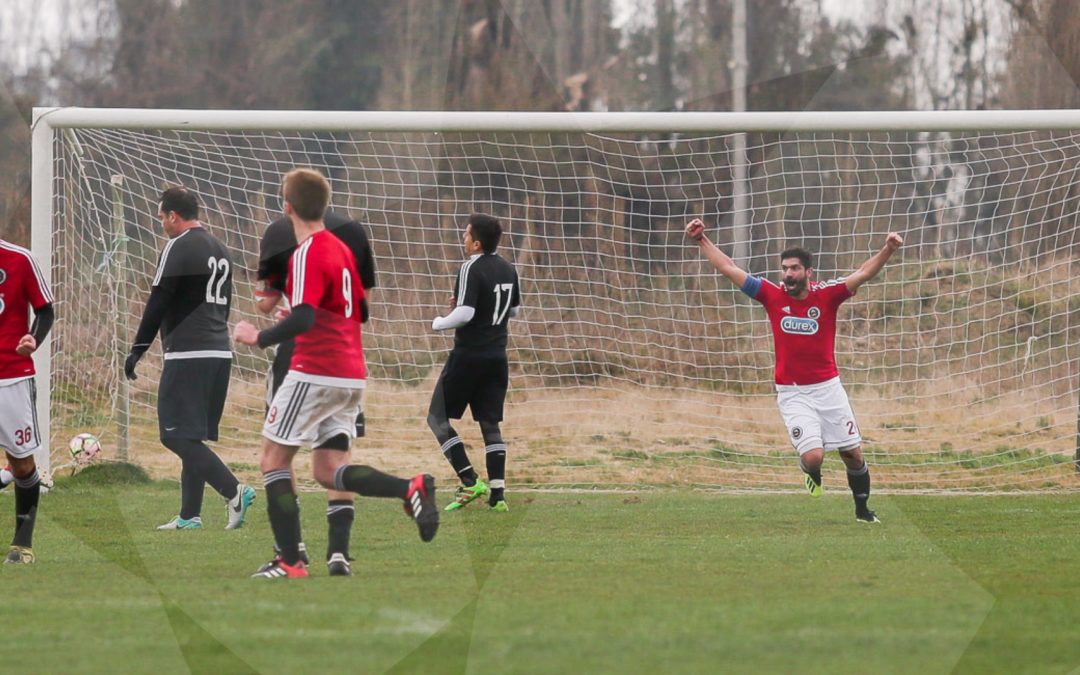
pixel 647 582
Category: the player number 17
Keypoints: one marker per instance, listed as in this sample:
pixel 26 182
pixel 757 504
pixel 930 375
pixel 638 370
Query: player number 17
pixel 500 311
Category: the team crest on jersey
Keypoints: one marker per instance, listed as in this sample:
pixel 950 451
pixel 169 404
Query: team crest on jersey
pixel 1 304
pixel 797 325
pixel 3 275
pixel 814 313
pixel 796 433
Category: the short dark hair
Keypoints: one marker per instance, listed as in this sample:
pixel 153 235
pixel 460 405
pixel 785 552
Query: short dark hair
pixel 308 191
pixel 486 230
pixel 797 252
pixel 180 201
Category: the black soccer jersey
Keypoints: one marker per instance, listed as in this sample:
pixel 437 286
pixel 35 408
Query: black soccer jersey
pixel 489 284
pixel 196 271
pixel 279 242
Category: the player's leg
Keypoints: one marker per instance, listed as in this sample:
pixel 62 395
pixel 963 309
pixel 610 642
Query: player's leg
pixel 858 476
pixel 190 403
pixel 489 397
pixel 448 401
pixel 841 432
pixel 19 438
pixel 332 470
pixel 279 368
pixel 283 511
pixel 340 513
pixel 804 432
pixel 291 422
pixel 238 496
pixel 495 458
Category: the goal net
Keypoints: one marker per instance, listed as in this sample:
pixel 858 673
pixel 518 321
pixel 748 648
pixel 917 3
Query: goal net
pixel 634 364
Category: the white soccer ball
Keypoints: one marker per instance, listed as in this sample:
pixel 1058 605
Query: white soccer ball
pixel 84 448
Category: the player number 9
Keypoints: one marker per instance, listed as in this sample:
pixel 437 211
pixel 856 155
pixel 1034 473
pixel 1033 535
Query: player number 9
pixel 346 289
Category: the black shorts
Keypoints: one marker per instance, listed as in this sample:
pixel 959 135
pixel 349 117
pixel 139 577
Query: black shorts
pixel 476 380
pixel 191 398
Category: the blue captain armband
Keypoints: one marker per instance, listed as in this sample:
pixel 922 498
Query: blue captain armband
pixel 751 286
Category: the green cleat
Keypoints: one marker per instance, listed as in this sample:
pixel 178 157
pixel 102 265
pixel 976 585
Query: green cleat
pixel 500 506
pixel 466 495
pixel 812 486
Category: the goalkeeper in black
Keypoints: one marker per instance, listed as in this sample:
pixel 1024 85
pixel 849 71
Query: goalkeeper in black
pixel 189 303
pixel 476 375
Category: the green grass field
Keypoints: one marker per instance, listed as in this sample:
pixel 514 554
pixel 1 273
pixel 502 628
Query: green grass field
pixel 659 582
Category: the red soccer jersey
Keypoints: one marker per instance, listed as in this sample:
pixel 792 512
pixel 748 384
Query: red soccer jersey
pixel 323 274
pixel 22 286
pixel 804 331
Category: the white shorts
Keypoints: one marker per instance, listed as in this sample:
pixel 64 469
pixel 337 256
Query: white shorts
pixel 818 416
pixel 18 418
pixel 305 413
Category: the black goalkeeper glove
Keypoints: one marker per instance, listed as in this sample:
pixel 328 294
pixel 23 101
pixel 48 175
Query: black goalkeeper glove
pixel 131 361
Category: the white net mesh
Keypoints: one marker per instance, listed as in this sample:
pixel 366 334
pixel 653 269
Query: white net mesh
pixel 633 363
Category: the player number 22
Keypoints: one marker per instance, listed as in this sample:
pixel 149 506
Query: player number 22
pixel 219 272
pixel 500 312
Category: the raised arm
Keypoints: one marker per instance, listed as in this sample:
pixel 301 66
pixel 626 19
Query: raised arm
pixel 695 230
pixel 869 269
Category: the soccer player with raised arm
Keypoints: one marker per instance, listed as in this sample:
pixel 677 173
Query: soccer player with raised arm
pixel 22 288
pixel 275 251
pixel 189 303
pixel 476 375
pixel 319 400
pixel 811 399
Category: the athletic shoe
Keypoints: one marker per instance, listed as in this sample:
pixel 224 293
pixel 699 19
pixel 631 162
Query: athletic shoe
pixel 277 554
pixel 812 486
pixel 338 566
pixel 466 495
pixel 866 517
pixel 279 569
pixel 500 506
pixel 19 555
pixel 238 506
pixel 420 505
pixel 6 477
pixel 179 523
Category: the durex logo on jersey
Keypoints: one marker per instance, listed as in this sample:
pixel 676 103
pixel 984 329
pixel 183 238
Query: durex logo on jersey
pixel 797 325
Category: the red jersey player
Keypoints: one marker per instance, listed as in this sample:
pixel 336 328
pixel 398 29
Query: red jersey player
pixel 321 395
pixel 811 399
pixel 22 287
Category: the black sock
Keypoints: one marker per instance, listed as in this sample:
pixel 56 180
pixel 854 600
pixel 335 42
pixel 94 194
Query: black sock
pixel 859 482
pixel 495 455
pixel 191 492
pixel 283 507
pixel 454 450
pixel 369 482
pixel 339 520
pixel 815 474
pixel 206 464
pixel 27 492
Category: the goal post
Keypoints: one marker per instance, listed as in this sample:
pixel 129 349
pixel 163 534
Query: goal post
pixel 633 363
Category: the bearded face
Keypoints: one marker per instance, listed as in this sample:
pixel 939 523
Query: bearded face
pixel 794 277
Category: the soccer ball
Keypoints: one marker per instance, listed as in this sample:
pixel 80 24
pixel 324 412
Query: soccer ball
pixel 84 448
